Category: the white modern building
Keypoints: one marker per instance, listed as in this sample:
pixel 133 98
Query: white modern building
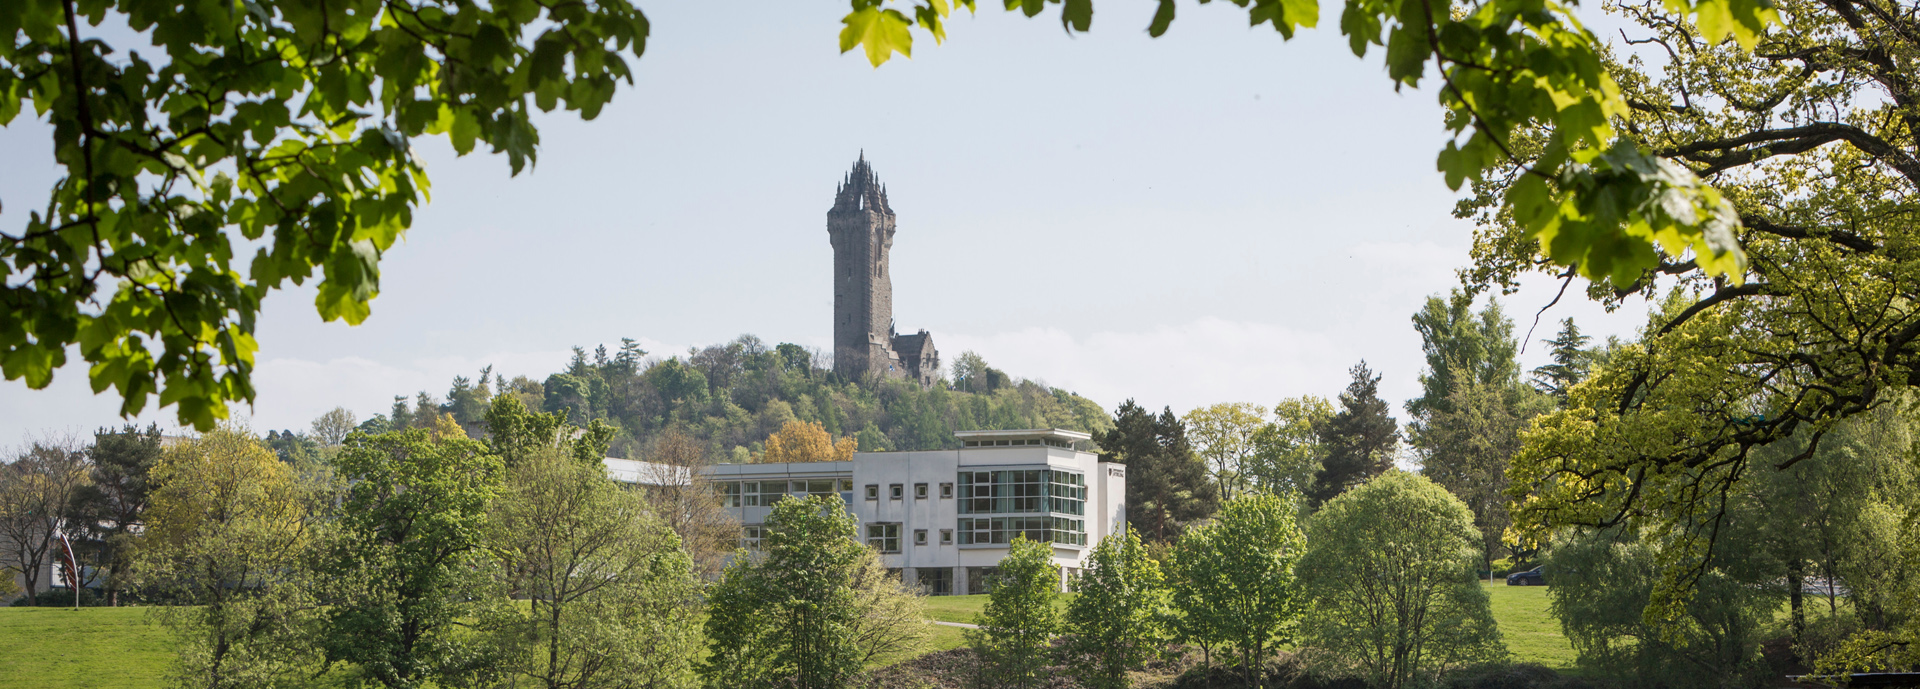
pixel 943 518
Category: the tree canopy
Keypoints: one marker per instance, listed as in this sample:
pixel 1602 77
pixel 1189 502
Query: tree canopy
pixel 288 125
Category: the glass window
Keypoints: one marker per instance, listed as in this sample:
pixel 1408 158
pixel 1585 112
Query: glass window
pixel 946 490
pixel 1022 490
pixel 762 493
pixel 896 491
pixel 750 536
pixel 1002 530
pixel 919 491
pixel 729 493
pixel 873 491
pixel 884 537
pixel 919 536
pixel 946 537
pixel 846 484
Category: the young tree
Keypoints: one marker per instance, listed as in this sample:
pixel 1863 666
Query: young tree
pixel 1389 583
pixel 687 503
pixel 890 614
pixel 1571 361
pixel 1223 436
pixel 111 508
pixel 1167 486
pixel 36 497
pixel 1360 439
pixel 802 441
pixel 227 545
pixel 1234 578
pixel 790 615
pixel 411 527
pixel 612 597
pixel 1116 617
pixel 1019 620
pixel 1288 452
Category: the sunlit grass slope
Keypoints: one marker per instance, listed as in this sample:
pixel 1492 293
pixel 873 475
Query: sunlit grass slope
pixel 59 648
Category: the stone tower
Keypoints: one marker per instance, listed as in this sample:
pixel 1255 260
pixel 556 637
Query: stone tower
pixel 860 225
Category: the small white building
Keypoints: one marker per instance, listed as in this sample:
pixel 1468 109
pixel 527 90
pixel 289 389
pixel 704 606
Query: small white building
pixel 943 518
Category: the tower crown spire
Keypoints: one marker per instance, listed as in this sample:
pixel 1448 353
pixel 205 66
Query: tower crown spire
pixel 861 190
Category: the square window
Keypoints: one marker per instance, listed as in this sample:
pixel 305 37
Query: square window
pixel 946 490
pixel 919 491
pixel 846 485
pixel 873 491
pixel 884 537
pixel 896 491
pixel 919 536
pixel 946 537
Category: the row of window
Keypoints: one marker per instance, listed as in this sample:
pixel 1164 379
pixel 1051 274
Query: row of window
pixel 764 493
pixel 898 490
pixel 1002 530
pixel 1050 442
pixel 1023 490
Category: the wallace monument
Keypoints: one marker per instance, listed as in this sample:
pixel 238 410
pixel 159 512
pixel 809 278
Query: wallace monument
pixel 864 342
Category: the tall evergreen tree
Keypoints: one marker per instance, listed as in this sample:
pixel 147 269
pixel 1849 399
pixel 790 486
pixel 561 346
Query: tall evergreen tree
pixel 112 507
pixel 1571 361
pixel 1461 347
pixel 1167 485
pixel 1359 439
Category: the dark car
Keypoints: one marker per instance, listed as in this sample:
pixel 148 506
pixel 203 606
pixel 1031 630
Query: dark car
pixel 1531 577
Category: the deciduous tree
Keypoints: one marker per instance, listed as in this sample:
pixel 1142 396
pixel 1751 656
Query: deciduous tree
pixel 789 615
pixel 1223 436
pixel 228 544
pixel 1389 583
pixel 288 127
pixel 612 598
pixel 1233 579
pixel 1289 452
pixel 801 441
pixel 407 556
pixel 1019 620
pixel 1117 615
pixel 36 496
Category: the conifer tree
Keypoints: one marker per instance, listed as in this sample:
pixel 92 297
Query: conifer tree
pixel 1571 361
pixel 1360 438
pixel 1167 486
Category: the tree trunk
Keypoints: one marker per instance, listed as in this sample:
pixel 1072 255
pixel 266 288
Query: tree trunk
pixel 1796 581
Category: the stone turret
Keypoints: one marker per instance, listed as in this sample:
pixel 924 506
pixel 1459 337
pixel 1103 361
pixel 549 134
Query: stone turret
pixel 861 227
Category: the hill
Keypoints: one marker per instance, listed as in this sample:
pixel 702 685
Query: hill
pixel 731 396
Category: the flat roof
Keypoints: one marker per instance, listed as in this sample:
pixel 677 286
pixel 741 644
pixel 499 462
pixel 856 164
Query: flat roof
pixel 1055 433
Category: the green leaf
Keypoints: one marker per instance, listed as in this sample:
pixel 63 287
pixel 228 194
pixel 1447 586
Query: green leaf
pixel 881 32
pixel 1162 18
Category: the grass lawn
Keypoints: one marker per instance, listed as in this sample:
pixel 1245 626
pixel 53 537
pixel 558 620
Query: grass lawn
pixel 1532 634
pixel 94 647
pixel 119 647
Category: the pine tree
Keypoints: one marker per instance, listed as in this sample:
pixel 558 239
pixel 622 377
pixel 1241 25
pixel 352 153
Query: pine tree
pixel 1360 438
pixel 1167 486
pixel 1571 361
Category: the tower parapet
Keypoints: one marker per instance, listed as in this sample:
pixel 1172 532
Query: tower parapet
pixel 861 227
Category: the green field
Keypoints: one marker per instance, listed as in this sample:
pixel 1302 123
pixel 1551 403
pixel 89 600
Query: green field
pixel 122 647
pixel 94 647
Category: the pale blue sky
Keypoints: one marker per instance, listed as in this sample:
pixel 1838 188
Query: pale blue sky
pixel 1215 215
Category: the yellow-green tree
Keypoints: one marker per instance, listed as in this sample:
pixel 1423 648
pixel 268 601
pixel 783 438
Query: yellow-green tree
pixel 1223 436
pixel 228 537
pixel 805 441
